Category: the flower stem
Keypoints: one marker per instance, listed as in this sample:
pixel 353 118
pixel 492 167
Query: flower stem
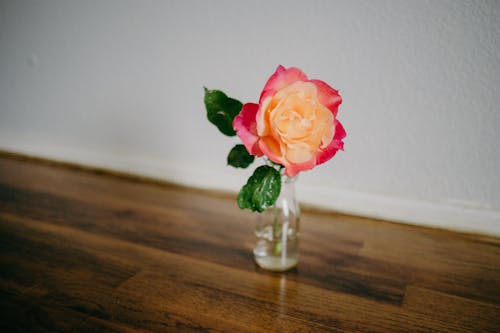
pixel 276 227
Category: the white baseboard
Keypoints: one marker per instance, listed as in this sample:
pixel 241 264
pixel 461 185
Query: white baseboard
pixel 410 211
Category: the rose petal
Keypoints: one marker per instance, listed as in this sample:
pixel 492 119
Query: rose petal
pixel 293 169
pixel 328 96
pixel 271 148
pixel 298 153
pixel 245 126
pixel 262 118
pixel 281 78
pixel 336 144
pixel 340 132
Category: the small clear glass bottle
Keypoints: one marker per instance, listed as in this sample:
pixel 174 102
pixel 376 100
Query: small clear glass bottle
pixel 277 231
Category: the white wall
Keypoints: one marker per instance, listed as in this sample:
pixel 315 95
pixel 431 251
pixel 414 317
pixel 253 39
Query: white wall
pixel 118 84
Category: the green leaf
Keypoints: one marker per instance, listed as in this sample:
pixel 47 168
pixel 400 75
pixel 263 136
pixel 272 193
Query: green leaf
pixel 261 190
pixel 221 110
pixel 239 157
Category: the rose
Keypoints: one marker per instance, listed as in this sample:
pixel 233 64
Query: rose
pixel 295 123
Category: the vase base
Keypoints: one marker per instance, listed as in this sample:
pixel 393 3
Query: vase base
pixel 276 264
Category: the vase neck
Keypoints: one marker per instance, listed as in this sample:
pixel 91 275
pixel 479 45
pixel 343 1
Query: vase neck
pixel 287 192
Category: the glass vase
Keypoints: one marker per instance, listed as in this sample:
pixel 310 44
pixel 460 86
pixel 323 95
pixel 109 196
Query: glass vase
pixel 277 231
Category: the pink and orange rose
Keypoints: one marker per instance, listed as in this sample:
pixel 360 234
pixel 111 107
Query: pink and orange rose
pixel 295 123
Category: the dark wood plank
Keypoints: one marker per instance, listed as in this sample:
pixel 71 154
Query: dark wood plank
pixel 82 251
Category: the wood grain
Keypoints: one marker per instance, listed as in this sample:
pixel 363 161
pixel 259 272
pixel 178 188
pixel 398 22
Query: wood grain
pixel 87 251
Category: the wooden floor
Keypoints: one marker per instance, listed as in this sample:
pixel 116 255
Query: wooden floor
pixel 89 252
